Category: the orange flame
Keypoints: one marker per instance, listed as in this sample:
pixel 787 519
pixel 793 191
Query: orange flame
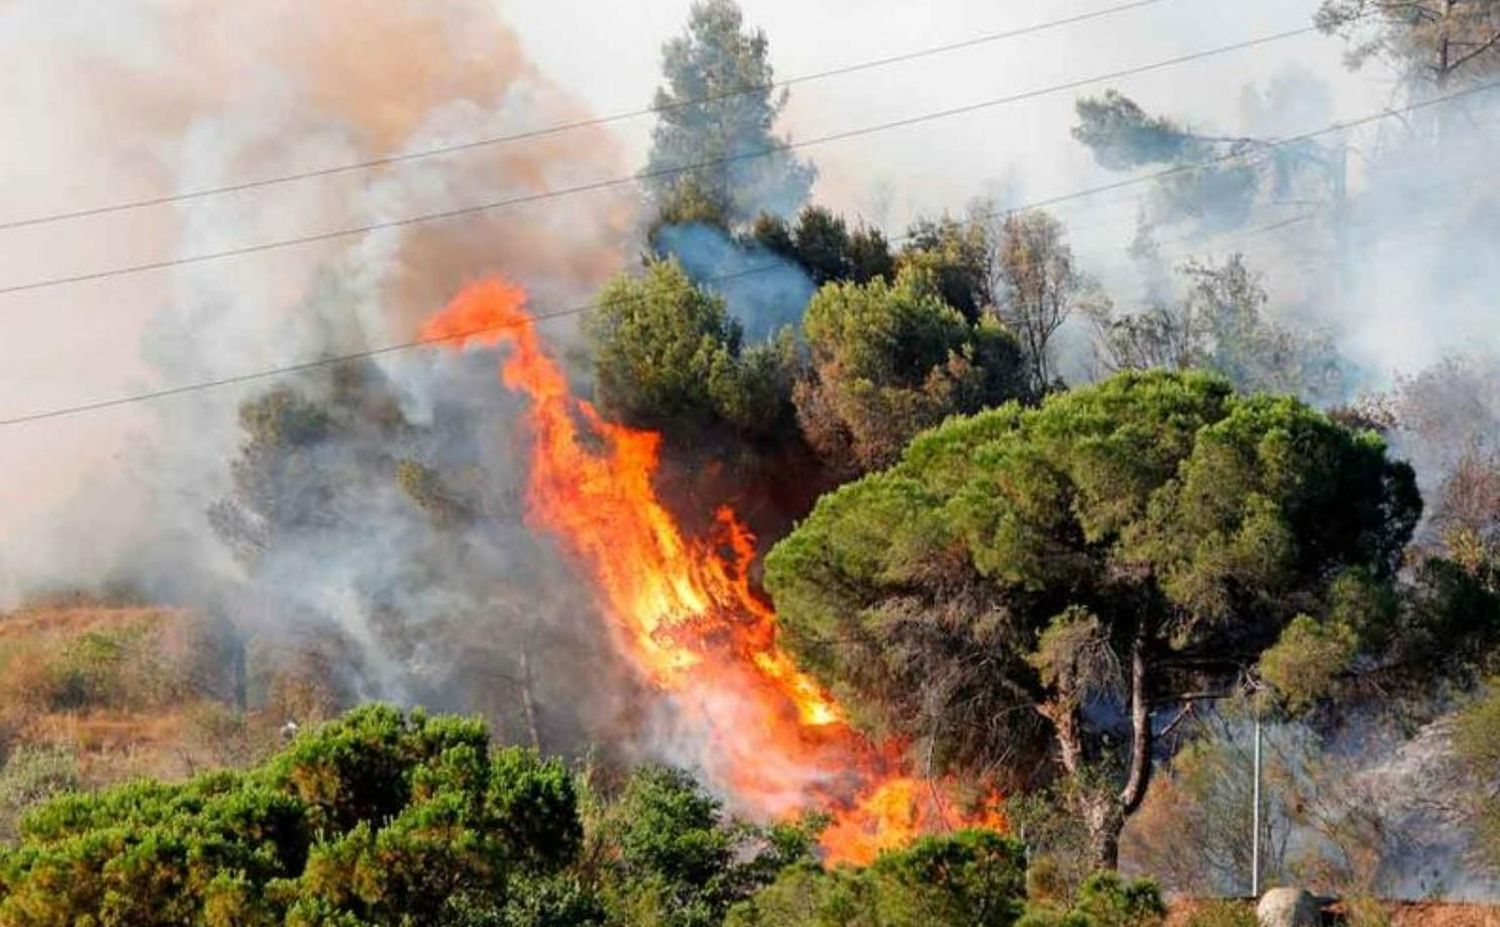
pixel 684 614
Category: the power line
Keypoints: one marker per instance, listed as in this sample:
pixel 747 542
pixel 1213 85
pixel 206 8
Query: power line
pixel 559 128
pixel 575 310
pixel 597 185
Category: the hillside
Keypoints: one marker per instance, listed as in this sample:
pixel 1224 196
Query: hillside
pixel 94 694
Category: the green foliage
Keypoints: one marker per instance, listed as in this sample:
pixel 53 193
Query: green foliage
pixel 958 254
pixel 656 341
pixel 1110 901
pixel 1221 912
pixel 969 878
pixel 753 393
pixel 1305 664
pixel 1214 179
pixel 821 243
pixel 667 355
pixel 1103 900
pixel 680 862
pixel 377 818
pixel 1122 136
pixel 1477 743
pixel 1220 324
pixel 30 775
pixel 890 360
pixel 277 485
pixel 700 166
pixel 1161 506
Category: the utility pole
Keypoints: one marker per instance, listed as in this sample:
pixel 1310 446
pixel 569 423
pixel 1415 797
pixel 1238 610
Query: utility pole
pixel 1255 815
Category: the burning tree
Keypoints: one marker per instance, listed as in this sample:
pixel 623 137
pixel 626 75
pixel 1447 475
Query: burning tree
pixel 1059 576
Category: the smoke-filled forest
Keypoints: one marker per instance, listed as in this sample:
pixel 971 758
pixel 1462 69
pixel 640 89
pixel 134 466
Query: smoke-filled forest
pixel 730 463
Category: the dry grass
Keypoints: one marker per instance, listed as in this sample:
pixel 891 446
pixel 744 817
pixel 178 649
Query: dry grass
pixel 43 622
pixel 1444 914
pixel 127 691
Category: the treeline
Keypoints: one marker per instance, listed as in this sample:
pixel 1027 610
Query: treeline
pixel 385 818
pixel 1039 582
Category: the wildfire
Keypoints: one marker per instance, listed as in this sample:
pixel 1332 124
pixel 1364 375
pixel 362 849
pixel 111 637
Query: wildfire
pixel 685 615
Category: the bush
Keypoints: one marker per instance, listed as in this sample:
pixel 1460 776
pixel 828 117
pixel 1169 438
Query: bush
pixel 1103 900
pixel 970 878
pixel 678 860
pixel 116 667
pixel 668 356
pixel 380 817
pixel 1222 913
pixel 30 775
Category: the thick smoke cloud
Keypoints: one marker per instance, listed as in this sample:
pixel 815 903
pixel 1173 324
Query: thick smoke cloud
pixel 178 97
pixel 181 97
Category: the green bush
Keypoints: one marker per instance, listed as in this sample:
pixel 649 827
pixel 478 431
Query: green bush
pixel 967 879
pixel 378 818
pixel 1222 913
pixel 678 861
pixel 1103 900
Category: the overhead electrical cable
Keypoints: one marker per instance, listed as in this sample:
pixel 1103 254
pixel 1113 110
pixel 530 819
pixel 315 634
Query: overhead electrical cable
pixel 611 182
pixel 332 360
pixel 559 128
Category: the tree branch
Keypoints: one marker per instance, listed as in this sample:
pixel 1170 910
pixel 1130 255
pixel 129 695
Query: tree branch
pixel 1480 49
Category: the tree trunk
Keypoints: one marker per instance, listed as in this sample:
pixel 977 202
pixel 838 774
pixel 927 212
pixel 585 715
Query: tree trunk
pixel 1104 813
pixel 1445 46
pixel 1104 817
pixel 1103 810
pixel 527 706
pixel 1140 726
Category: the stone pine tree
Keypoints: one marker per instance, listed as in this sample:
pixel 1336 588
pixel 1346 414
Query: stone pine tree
pixel 715 155
pixel 1057 578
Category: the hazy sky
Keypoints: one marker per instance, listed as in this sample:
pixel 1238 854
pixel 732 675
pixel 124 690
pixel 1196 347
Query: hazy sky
pixel 608 54
pixel 111 102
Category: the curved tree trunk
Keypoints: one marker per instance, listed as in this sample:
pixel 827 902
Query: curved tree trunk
pixel 1103 810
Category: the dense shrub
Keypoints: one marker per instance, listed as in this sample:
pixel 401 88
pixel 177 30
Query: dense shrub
pixel 970 878
pixel 378 818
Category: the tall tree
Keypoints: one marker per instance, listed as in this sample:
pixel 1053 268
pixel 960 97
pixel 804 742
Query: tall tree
pixel 715 153
pixel 1066 571
pixel 1040 287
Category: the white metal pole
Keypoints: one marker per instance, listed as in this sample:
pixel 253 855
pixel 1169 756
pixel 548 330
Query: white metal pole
pixel 1255 817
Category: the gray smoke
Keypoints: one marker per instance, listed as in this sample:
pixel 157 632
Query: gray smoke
pixel 762 291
